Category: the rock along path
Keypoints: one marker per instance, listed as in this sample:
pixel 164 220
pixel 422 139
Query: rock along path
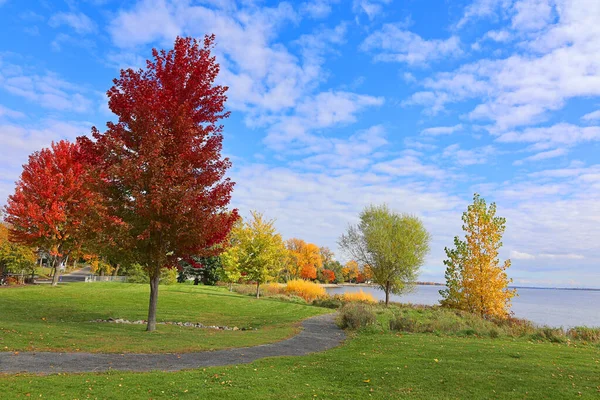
pixel 319 333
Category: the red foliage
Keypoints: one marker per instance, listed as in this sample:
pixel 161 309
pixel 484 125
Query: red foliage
pixel 328 275
pixel 360 278
pixel 160 172
pixel 308 272
pixel 51 200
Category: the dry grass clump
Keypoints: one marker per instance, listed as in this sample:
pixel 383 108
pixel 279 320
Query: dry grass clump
pixel 309 291
pixel 359 296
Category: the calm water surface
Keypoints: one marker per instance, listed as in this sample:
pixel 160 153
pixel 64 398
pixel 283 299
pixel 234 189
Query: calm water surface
pixel 552 307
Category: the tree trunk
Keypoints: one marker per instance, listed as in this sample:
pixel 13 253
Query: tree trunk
pixel 153 302
pixel 116 270
pixel 231 286
pixel 56 275
pixel 257 290
pixel 387 293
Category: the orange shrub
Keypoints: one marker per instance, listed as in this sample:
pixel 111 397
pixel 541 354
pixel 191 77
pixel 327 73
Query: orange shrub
pixel 359 296
pixel 309 291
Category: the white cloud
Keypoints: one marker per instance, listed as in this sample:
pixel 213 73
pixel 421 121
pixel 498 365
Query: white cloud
pixel 80 22
pixel 468 157
pixel 371 8
pixel 544 155
pixel 323 110
pixel 562 256
pixel 409 165
pixel 532 15
pixel 498 36
pixel 559 63
pixel 559 134
pixel 47 90
pixel 394 43
pixel 317 8
pixel 8 113
pixel 18 141
pixel 517 255
pixel 481 9
pixel 336 199
pixel 441 130
pixel 592 116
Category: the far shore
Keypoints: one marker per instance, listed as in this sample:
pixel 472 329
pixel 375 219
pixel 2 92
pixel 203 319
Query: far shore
pixel 337 285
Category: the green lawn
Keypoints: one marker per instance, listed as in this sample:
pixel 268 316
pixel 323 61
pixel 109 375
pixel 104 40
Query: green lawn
pixel 372 363
pixel 368 366
pixel 57 318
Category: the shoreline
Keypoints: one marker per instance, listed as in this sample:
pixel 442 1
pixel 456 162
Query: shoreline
pixel 339 285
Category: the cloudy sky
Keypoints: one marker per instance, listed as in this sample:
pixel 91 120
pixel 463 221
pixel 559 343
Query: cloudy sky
pixel 337 104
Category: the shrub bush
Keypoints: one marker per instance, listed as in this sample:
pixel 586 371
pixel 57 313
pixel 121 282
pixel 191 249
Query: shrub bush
pixel 554 335
pixel 328 302
pixel 309 291
pixel 288 298
pixel 403 324
pixel 356 315
pixel 11 281
pixel 359 296
pixel 585 334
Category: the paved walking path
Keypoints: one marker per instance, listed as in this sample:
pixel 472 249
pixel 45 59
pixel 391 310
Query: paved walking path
pixel 318 334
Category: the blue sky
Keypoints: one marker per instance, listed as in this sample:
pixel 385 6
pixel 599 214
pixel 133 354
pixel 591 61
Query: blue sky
pixel 338 104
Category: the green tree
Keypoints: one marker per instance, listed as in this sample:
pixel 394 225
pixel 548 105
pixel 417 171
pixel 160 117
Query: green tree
pixel 258 249
pixel 393 245
pixel 15 257
pixel 476 281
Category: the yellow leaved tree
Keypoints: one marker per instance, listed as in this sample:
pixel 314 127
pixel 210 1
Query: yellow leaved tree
pixel 476 281
pixel 256 251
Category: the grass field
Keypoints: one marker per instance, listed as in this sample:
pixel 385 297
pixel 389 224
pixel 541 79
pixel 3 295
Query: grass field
pixel 47 318
pixel 372 363
pixel 419 366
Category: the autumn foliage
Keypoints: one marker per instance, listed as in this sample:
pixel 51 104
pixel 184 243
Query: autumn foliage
pixel 159 170
pixel 358 296
pixel 309 291
pixel 306 259
pixel 476 280
pixel 328 275
pixel 52 201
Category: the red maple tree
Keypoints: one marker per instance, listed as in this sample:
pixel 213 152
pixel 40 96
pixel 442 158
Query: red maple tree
pixel 51 202
pixel 159 170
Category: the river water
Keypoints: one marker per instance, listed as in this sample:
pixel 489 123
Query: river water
pixel 552 307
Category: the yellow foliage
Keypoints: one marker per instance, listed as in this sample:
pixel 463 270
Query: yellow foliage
pixel 359 296
pixel 350 271
pixel 476 280
pixel 309 291
pixel 304 256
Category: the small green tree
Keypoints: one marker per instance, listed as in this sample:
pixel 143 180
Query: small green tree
pixel 258 250
pixel 15 257
pixel 393 245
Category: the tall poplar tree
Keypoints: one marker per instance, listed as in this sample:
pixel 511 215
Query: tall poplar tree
pixel 476 280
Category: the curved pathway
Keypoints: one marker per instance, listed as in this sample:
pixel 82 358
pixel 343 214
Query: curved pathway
pixel 319 333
